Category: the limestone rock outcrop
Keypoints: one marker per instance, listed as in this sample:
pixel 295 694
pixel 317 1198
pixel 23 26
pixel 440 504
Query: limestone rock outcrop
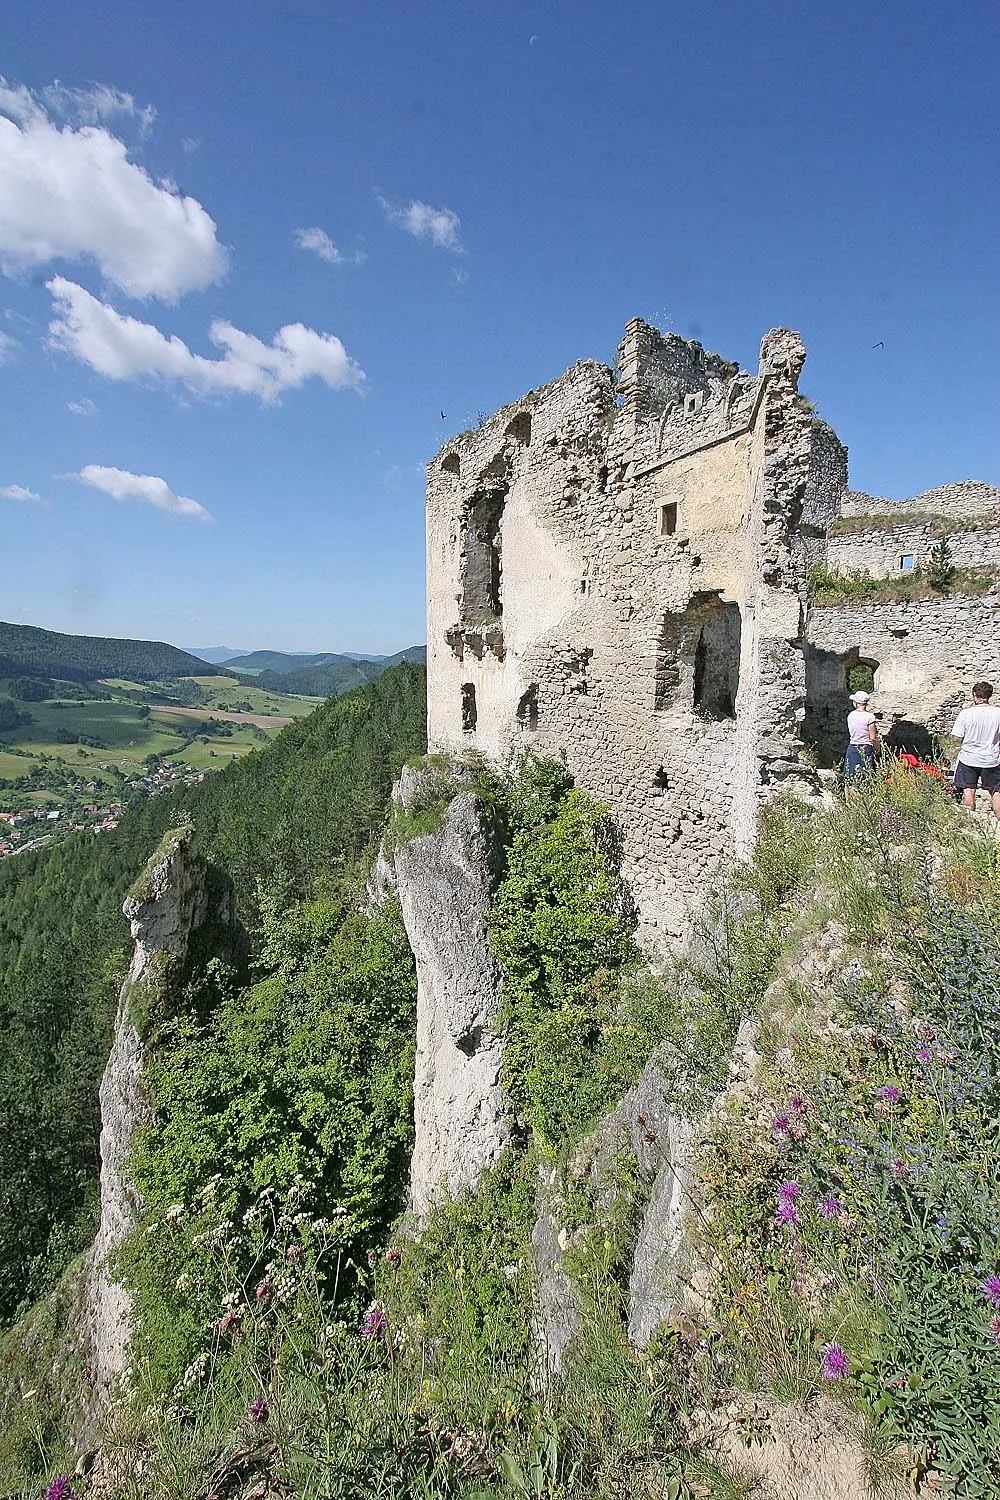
pixel 661 1144
pixel 167 907
pixel 461 1116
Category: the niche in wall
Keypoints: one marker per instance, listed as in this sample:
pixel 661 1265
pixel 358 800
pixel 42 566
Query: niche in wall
pixel 482 562
pixel 717 661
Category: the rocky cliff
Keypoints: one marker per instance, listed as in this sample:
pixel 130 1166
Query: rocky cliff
pixel 166 909
pixel 462 1120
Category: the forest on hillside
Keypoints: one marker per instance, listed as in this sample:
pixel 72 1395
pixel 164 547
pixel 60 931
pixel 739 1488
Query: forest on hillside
pixel 27 652
pixel 298 811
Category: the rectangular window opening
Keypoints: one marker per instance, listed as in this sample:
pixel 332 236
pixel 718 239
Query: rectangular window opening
pixel 906 563
pixel 668 519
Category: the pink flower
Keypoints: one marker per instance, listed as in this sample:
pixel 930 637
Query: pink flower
pixel 835 1363
pixel 830 1207
pixel 394 1255
pixel 890 1094
pixel 990 1289
pixel 61 1488
pixel 265 1290
pixel 798 1130
pixel 375 1322
pixel 258 1411
pixel 786 1213
pixel 789 1192
pixel 798 1106
pixel 897 1167
pixel 779 1127
pixel 924 1054
pixel 230 1322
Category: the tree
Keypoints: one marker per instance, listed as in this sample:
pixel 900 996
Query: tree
pixel 940 568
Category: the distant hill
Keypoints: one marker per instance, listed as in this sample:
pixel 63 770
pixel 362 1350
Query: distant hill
pixel 213 654
pixel 26 651
pixel 280 661
pixel 332 674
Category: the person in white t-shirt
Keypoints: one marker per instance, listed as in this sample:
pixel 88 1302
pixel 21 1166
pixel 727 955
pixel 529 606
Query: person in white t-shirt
pixel 863 733
pixel 978 762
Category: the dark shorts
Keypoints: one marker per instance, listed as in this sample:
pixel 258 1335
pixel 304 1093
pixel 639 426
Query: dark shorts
pixel 969 777
pixel 858 760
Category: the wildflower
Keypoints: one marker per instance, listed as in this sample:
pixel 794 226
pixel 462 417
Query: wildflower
pixel 174 1212
pixel 786 1213
pixel 230 1322
pixel 990 1289
pixel 798 1106
pixel 394 1255
pixel 890 1094
pixel 61 1488
pixel 265 1290
pixel 375 1322
pixel 258 1411
pixel 924 1054
pixel 798 1130
pixel 293 1253
pixel 789 1192
pixel 897 1167
pixel 779 1127
pixel 830 1207
pixel 835 1363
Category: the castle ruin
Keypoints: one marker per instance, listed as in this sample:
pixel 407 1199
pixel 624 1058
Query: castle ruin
pixel 618 570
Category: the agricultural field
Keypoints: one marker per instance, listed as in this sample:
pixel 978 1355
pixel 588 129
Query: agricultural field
pixel 200 722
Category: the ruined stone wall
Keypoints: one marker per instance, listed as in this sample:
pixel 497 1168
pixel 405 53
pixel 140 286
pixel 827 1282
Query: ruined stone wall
pixel 616 573
pixel 969 498
pixel 926 656
pixel 883 550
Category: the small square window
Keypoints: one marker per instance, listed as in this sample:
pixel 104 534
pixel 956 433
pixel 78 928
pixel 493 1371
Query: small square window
pixel 906 563
pixel 668 518
pixel 693 403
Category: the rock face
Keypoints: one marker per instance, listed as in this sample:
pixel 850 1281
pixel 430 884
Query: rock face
pixel 660 1144
pixel 461 1117
pixel 167 907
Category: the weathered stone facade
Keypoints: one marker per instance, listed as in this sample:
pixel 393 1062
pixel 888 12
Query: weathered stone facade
pixel 618 573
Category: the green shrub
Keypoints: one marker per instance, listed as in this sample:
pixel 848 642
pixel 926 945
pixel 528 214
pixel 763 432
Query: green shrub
pixel 562 940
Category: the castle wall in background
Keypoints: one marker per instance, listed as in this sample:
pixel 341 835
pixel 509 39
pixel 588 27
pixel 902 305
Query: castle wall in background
pixel 618 573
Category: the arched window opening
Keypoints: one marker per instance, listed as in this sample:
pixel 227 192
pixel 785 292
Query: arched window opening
pixel 527 708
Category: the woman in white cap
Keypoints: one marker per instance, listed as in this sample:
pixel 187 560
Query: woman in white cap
pixel 863 733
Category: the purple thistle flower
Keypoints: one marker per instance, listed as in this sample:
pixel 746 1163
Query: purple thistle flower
pixel 61 1488
pixel 835 1363
pixel 830 1207
pixel 798 1106
pixel 786 1213
pixel 258 1411
pixel 890 1094
pixel 779 1127
pixel 375 1322
pixel 990 1289
pixel 789 1192
pixel 924 1055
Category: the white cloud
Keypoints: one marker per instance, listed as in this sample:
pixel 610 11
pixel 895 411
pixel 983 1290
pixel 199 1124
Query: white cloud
pixel 19 493
pixel 145 488
pixel 90 106
pixel 7 346
pixel 441 226
pixel 82 408
pixel 123 348
pixel 320 243
pixel 70 192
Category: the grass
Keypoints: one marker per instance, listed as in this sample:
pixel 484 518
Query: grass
pixel 829 586
pixel 941 526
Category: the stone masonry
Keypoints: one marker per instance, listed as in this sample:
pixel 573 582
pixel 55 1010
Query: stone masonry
pixel 618 573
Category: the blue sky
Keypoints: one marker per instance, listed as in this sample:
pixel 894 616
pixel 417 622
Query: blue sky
pixel 501 186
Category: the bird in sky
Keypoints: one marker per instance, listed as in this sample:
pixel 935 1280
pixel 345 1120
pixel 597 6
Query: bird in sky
pixel 879 345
